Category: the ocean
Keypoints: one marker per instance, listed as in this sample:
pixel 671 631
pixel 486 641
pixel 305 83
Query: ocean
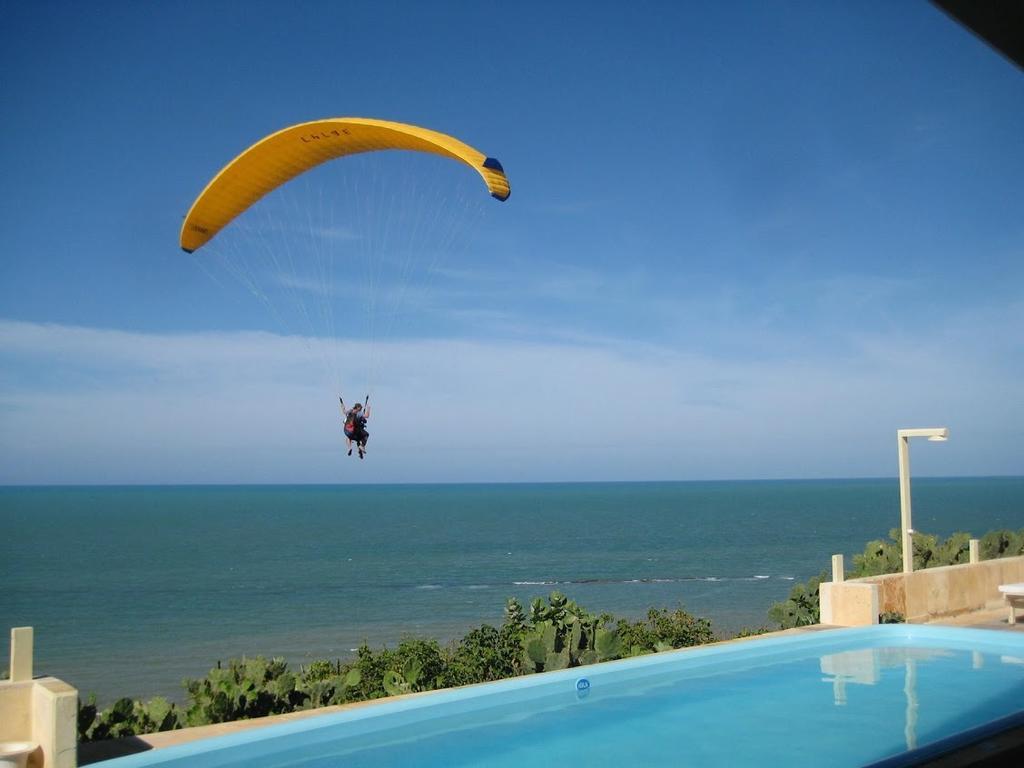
pixel 132 589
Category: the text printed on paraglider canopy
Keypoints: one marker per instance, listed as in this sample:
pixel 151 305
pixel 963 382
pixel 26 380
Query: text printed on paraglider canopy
pixel 336 132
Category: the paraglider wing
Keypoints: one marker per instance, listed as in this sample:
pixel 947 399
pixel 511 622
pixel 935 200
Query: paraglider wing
pixel 282 156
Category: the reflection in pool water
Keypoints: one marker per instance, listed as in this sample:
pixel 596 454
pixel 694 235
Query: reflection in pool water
pixel 863 667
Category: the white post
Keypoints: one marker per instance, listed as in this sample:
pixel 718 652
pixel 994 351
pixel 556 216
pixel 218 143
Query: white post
pixel 975 546
pixel 906 527
pixel 21 654
pixel 934 434
pixel 838 573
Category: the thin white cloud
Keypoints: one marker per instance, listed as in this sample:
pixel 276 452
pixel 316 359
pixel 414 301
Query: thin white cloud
pixel 225 407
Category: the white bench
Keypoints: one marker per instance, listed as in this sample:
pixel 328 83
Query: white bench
pixel 1014 594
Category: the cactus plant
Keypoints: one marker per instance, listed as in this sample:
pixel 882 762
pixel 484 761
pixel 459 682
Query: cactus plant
pixel 558 660
pixel 607 644
pixel 515 618
pixel 394 684
pixel 564 635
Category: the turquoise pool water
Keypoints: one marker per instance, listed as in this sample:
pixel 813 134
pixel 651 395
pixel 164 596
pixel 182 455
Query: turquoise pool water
pixel 889 694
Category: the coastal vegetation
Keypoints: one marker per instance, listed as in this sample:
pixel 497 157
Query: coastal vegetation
pixel 802 607
pixel 555 633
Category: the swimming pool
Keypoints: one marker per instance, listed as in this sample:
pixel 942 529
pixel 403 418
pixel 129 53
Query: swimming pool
pixel 891 695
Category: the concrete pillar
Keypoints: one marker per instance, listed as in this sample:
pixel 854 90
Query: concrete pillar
pixel 55 722
pixel 838 574
pixel 849 604
pixel 21 654
pixel 975 551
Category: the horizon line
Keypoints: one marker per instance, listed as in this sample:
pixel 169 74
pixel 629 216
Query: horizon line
pixel 226 484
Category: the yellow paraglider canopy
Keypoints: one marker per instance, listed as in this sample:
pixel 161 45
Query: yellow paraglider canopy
pixel 282 156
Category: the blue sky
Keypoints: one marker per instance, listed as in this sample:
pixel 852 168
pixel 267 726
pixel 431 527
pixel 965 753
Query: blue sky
pixel 744 240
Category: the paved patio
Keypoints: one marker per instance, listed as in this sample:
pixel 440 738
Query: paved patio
pixel 988 618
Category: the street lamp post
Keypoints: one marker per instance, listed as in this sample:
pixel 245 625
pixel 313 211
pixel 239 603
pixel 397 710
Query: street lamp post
pixel 935 434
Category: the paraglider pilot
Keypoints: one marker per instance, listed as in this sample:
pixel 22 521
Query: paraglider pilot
pixel 355 425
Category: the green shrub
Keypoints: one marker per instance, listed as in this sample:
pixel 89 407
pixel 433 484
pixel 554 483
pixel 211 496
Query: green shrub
pixel 1003 543
pixel 662 631
pixel 319 670
pixel 247 688
pixel 326 691
pixel 485 654
pixel 126 718
pixel 802 608
pixel 748 632
pixel 420 666
pixel 879 557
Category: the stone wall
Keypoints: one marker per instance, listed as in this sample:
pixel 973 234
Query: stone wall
pixel 919 596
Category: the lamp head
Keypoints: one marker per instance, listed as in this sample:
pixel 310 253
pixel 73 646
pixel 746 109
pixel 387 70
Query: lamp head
pixel 935 434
